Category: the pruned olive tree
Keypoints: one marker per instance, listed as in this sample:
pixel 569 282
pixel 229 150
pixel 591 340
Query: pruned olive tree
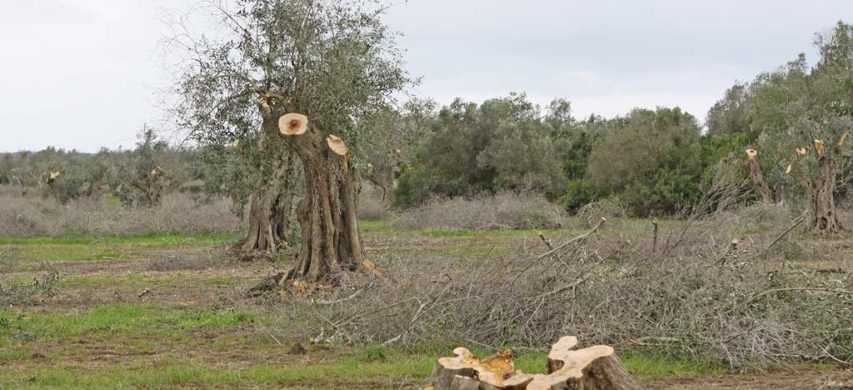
pixel 295 78
pixel 799 117
pixel 817 174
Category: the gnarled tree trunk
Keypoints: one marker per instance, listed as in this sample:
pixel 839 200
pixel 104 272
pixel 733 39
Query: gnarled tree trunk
pixel 757 177
pixel 385 178
pixel 820 187
pixel 824 216
pixel 53 186
pixel 327 212
pixel 269 212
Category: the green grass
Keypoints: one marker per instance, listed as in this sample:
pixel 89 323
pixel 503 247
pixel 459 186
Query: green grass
pixel 69 252
pixel 357 367
pixel 152 239
pixel 135 281
pixel 55 249
pixel 122 318
pixel 650 367
pixel 239 353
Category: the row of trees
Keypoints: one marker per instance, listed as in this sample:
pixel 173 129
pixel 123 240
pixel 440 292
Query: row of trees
pixel 137 177
pixel 654 161
pixel 294 103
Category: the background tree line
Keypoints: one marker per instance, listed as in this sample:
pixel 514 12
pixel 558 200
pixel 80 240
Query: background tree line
pixel 653 162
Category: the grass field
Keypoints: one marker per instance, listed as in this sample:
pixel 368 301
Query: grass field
pixel 169 311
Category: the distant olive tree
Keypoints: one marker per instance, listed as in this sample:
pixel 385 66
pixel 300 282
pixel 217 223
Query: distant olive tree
pixel 502 144
pixel 729 115
pixel 393 135
pixel 635 146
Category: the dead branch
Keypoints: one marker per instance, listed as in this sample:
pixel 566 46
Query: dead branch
pixel 551 252
pixel 775 290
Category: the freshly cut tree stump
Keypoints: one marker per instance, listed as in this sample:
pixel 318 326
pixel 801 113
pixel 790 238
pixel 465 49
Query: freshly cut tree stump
pixel 465 371
pixel 757 177
pixel 592 368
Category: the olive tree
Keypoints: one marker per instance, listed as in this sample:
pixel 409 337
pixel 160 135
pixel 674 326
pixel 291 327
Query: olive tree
pixel 800 116
pixel 392 134
pixel 636 146
pixel 294 78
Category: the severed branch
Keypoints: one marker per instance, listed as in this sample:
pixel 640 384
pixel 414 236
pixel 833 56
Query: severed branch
pixel 424 307
pixel 553 251
pixel 775 290
pixel 782 235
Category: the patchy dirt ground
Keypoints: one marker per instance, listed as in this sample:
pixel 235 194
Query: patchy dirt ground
pixel 837 379
pixel 155 314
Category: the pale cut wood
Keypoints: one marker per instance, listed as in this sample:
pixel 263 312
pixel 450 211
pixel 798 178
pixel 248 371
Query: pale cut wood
pixel 293 124
pixel 466 371
pixel 337 145
pixel 592 368
pixel 819 147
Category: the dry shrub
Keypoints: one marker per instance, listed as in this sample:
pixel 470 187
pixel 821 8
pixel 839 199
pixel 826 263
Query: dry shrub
pixel 178 213
pixel 696 297
pixel 370 204
pixel 42 286
pixel 756 217
pixel 505 210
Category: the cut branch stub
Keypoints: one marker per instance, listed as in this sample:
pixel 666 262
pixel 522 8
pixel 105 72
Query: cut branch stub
pixel 371 267
pixel 293 124
pixel 337 145
pixel 841 140
pixel 751 153
pixel 819 147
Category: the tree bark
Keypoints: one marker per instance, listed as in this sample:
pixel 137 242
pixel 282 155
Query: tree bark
pixel 820 187
pixel 269 213
pixel 151 186
pixel 757 177
pixel 327 212
pixel 271 204
pixel 824 216
pixel 53 187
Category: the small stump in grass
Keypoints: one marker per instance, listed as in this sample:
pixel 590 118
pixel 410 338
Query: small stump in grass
pixel 592 368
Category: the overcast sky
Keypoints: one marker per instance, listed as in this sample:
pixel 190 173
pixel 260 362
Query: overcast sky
pixel 85 73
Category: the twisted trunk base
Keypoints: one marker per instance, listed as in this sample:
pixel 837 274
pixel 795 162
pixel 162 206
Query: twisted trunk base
pixel 327 214
pixel 824 215
pixel 269 214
